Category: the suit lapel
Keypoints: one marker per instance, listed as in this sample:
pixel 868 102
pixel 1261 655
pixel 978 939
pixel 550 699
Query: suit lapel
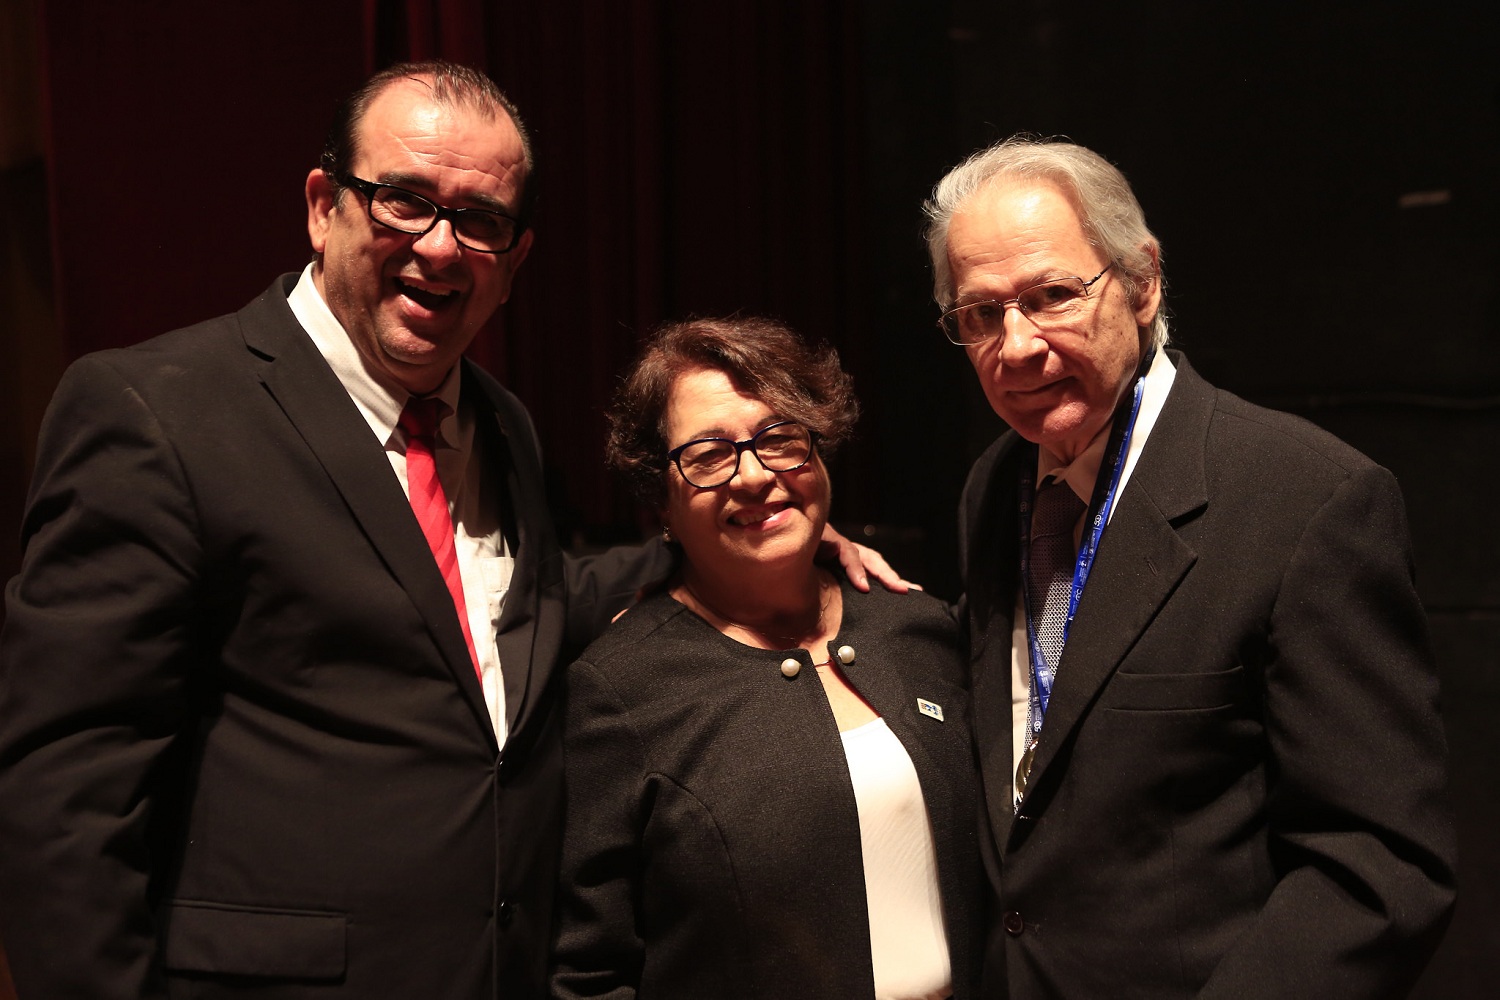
pixel 315 402
pixel 1141 560
pixel 991 573
pixel 525 669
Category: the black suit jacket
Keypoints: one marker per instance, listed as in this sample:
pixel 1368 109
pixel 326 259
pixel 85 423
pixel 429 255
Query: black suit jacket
pixel 712 847
pixel 242 748
pixel 1236 790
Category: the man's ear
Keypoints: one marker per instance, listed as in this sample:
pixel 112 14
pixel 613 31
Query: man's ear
pixel 320 196
pixel 1148 294
pixel 512 261
pixel 518 252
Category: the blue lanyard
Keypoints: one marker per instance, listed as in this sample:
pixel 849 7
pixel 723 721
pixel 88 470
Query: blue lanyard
pixel 1042 675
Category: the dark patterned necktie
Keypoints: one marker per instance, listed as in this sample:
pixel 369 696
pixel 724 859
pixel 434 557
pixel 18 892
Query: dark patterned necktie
pixel 1052 559
pixel 1050 582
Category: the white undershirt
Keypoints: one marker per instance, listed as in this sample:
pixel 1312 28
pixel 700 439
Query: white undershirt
pixel 484 564
pixel 1081 474
pixel 907 943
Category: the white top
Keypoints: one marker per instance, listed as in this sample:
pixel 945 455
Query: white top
pixel 484 565
pixel 907 941
pixel 1081 474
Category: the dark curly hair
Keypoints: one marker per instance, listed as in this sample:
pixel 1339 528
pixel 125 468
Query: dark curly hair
pixel 761 357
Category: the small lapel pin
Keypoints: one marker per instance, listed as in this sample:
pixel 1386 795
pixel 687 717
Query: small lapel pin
pixel 930 708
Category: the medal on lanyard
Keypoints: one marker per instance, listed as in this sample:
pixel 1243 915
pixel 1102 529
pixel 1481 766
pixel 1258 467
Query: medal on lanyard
pixel 1042 674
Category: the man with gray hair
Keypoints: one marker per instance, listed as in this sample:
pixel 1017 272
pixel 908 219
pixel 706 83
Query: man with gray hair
pixel 1205 705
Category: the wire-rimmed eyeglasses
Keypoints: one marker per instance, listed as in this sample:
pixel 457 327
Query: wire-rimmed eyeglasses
pixel 407 212
pixel 1047 304
pixel 709 462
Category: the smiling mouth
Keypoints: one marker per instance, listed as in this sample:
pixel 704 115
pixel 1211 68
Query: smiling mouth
pixel 749 519
pixel 427 300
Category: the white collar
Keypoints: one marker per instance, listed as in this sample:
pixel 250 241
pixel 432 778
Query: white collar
pixel 1083 472
pixel 379 398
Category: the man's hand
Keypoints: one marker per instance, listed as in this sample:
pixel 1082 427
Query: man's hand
pixel 860 563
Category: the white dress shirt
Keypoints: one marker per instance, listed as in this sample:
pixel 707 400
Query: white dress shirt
pixel 484 563
pixel 908 943
pixel 1081 474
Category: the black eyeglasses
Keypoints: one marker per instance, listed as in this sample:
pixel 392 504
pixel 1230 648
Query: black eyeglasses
pixel 1048 304
pixel 709 462
pixel 408 212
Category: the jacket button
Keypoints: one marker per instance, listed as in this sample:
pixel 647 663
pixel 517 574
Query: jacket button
pixel 790 667
pixel 504 913
pixel 846 655
pixel 1013 923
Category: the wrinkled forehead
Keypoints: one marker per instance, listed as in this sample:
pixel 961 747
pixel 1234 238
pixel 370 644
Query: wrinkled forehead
pixel 414 115
pixel 1010 222
pixel 1020 195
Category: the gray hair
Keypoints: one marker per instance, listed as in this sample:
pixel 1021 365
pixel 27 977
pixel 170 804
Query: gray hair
pixel 1112 218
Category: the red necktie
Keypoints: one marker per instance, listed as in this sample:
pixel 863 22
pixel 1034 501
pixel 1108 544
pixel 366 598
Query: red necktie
pixel 430 504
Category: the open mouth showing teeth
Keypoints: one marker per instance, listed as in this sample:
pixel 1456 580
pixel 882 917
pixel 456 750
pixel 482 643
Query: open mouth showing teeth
pixel 426 299
pixel 745 520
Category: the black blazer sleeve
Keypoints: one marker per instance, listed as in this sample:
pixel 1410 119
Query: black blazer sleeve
pixel 602 585
pixel 1362 845
pixel 100 629
pixel 599 953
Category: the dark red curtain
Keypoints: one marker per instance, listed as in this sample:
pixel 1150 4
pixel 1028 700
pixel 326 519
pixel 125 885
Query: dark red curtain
pixel 693 158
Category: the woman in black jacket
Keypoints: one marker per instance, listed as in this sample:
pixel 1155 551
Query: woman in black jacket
pixel 770 781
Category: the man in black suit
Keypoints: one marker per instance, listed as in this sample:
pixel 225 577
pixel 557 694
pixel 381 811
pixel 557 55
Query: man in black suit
pixel 263 731
pixel 1208 732
pixel 245 740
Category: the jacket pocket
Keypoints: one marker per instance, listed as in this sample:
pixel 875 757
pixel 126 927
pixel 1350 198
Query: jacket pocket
pixel 229 939
pixel 1131 692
